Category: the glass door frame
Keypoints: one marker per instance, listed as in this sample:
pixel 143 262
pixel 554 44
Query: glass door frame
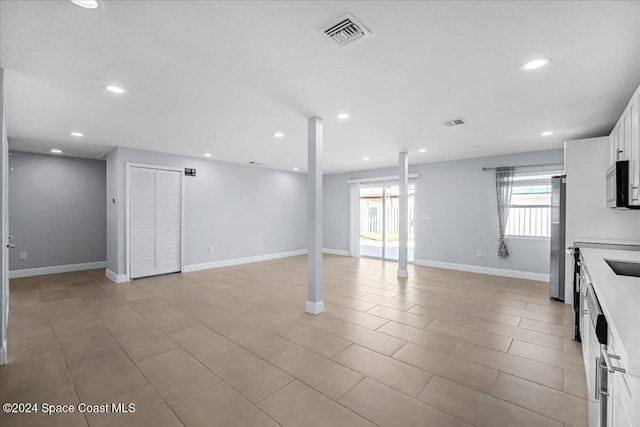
pixel 383 185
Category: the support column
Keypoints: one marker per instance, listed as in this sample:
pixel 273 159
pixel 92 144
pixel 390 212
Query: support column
pixel 315 305
pixel 403 226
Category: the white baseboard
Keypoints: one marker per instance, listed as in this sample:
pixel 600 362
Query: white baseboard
pixel 484 270
pixel 336 252
pixel 314 307
pixel 3 356
pixel 114 277
pixel 238 261
pixel 40 271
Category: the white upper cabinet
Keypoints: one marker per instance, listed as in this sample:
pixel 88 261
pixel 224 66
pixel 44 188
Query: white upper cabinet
pixel 624 144
pixel 634 156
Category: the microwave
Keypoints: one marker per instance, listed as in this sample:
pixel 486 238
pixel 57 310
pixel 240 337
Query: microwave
pixel 618 186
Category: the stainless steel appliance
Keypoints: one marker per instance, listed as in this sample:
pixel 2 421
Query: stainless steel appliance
pixel 597 371
pixel 558 213
pixel 579 280
pixel 618 187
pixel 574 251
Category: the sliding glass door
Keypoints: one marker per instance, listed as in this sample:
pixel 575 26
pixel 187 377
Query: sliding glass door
pixel 380 219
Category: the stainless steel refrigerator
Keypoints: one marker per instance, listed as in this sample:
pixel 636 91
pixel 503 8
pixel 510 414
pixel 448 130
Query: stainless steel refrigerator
pixel 558 216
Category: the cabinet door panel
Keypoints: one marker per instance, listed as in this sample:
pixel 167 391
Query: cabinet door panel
pixel 626 130
pixel 143 222
pixel 621 410
pixel 169 221
pixel 635 150
pixel 620 143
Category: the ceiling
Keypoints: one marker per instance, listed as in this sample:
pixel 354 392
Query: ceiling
pixel 222 77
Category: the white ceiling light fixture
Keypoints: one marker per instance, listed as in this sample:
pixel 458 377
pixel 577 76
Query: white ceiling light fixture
pixel 295 169
pixel 77 134
pixel 279 135
pixel 87 4
pixel 115 89
pixel 207 154
pixel 366 159
pixel 56 151
pixel 343 116
pixel 422 150
pixel 547 133
pixel 535 64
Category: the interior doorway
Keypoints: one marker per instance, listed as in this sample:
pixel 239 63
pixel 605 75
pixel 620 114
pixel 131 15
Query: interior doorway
pixel 4 226
pixel 155 207
pixel 380 220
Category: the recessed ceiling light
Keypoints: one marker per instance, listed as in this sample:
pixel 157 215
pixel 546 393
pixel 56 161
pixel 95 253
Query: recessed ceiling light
pixel 279 135
pixel 366 158
pixel 56 151
pixel 207 154
pixel 87 4
pixel 296 169
pixel 422 150
pixel 534 64
pixel 115 89
pixel 547 133
pixel 343 116
pixel 78 134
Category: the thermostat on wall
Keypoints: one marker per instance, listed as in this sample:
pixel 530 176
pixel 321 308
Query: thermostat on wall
pixel 189 172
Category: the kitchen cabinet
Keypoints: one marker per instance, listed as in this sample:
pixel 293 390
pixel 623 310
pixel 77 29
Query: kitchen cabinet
pixel 622 389
pixel 634 156
pixel 585 324
pixel 610 340
pixel 624 144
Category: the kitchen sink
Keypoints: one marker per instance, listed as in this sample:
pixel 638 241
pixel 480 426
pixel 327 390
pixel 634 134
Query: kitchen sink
pixel 624 268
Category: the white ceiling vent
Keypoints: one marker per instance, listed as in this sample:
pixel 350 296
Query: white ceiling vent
pixel 454 122
pixel 345 30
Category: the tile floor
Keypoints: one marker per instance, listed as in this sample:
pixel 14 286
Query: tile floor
pixel 233 347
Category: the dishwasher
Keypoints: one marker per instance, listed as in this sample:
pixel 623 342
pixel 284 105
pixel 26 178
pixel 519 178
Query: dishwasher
pixel 597 373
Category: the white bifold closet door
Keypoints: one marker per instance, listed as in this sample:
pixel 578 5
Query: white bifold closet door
pixel 155 221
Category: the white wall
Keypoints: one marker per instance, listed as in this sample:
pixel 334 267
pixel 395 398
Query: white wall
pixel 242 211
pixel 56 202
pixel 588 218
pixel 4 234
pixel 461 200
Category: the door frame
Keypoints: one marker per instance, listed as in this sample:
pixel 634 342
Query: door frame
pixel 4 226
pixel 384 184
pixel 129 166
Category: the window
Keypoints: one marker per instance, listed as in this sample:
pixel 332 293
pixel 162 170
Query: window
pixel 530 209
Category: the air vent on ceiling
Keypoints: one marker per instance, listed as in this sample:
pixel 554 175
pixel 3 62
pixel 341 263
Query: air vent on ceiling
pixel 454 122
pixel 345 30
pixel 254 163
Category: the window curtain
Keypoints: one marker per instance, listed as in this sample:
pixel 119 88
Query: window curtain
pixel 504 184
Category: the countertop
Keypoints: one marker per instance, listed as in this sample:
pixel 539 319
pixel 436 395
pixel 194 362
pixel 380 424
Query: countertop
pixel 619 297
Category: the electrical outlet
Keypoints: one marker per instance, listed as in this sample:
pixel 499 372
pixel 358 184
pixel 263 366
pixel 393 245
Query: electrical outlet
pixel 23 255
pixel 478 252
pixel 210 249
pixel 426 216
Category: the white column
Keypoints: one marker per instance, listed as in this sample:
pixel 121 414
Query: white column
pixel 403 217
pixel 315 304
pixel 354 219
